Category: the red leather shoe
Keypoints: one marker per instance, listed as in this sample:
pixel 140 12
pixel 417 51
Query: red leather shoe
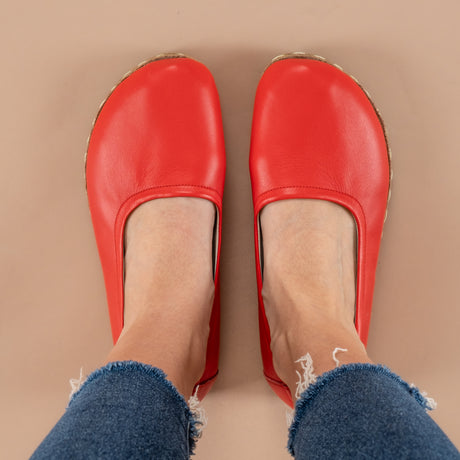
pixel 316 134
pixel 158 134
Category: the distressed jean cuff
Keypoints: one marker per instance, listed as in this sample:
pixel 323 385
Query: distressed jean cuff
pixel 150 380
pixel 345 392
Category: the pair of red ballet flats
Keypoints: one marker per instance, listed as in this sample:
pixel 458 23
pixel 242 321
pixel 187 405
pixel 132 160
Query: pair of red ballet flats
pixel 315 134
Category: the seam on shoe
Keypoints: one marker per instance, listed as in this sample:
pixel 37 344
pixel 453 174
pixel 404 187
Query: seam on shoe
pixel 204 382
pixel 312 188
pixel 167 186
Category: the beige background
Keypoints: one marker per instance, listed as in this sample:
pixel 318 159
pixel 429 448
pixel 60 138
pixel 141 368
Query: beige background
pixel 59 60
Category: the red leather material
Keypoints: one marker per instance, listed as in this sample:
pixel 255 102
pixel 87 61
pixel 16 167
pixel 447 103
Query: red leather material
pixel 159 134
pixel 316 134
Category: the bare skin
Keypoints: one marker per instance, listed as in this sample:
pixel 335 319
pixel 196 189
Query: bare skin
pixel 309 285
pixel 169 288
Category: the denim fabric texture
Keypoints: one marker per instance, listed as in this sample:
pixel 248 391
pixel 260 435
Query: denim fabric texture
pixel 123 410
pixel 129 410
pixel 362 411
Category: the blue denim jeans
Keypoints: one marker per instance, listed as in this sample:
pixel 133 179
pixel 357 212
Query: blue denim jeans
pixel 130 410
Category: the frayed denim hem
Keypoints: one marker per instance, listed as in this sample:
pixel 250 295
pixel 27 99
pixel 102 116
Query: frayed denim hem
pixel 314 389
pixel 161 378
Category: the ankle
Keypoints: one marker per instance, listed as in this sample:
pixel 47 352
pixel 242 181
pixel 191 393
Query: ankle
pixel 291 304
pixel 179 349
pixel 319 338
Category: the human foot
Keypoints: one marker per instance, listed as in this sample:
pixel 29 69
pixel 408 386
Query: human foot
pixel 168 288
pixel 309 249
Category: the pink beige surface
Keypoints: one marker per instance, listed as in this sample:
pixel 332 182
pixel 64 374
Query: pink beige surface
pixel 59 61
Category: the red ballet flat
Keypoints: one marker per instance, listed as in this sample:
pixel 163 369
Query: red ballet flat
pixel 316 134
pixel 158 134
